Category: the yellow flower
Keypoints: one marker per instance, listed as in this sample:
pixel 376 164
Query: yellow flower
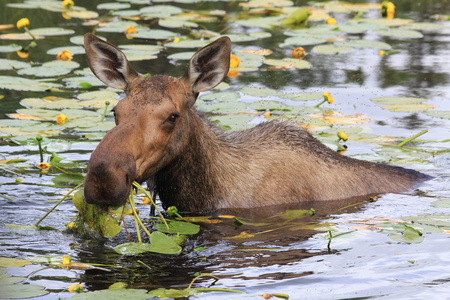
pixel 267 114
pixel 70 226
pixel 24 22
pixel 75 288
pixel 232 74
pixel 66 259
pixel 130 29
pixel 65 55
pixel 23 53
pixel 176 40
pixel 146 201
pixel 382 53
pixel 342 136
pixel 390 10
pixel 327 96
pixel 67 4
pixel 234 61
pixel 331 21
pixel 44 166
pixel 61 119
pixel 18 180
pixel 298 52
pixel 66 16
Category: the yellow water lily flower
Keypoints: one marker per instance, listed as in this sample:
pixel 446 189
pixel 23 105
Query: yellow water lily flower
pixel 342 136
pixel 382 53
pixel 146 201
pixel 327 96
pixel 232 74
pixel 298 52
pixel 331 21
pixel 22 53
pixel 64 55
pixel 390 10
pixel 67 4
pixel 130 29
pixel 75 288
pixel 66 259
pixel 234 61
pixel 43 166
pixel 24 22
pixel 61 119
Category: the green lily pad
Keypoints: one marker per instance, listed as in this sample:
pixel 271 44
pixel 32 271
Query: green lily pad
pixel 424 26
pixel 50 69
pixel 9 64
pixel 398 100
pixel 233 122
pixel 76 82
pixel 74 50
pixel 410 235
pixel 113 6
pixel 303 96
pixel 303 41
pixel 82 14
pixel 24 84
pixel 114 294
pixel 249 60
pixel 155 34
pixel 220 97
pixel 160 11
pixel 438 114
pixel 159 243
pixel 331 49
pixel 408 107
pixel 288 63
pixel 178 227
pixel 98 95
pixel 188 44
pixel 22 291
pixel 261 92
pixel 175 22
pixel 223 107
pixel 6 279
pixel 118 26
pixel 51 31
pixel 262 22
pixel 442 220
pixel 181 55
pixel 13 262
pixel 400 33
pixel 150 49
pixel 369 44
pixel 444 203
pixel 19 36
pixel 388 22
pixel 354 27
pixel 9 48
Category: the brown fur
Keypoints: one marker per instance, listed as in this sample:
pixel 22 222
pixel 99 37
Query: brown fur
pixel 198 167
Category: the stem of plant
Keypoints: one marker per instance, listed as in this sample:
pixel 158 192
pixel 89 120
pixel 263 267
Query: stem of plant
pixel 412 138
pixel 107 103
pixel 41 152
pixel 58 203
pixel 29 32
pixel 131 200
pixel 320 103
pixel 136 216
pixel 201 275
pixel 147 194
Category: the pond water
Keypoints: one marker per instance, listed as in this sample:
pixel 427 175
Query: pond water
pixel 394 248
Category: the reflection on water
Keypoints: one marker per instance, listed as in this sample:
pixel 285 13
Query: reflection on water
pixel 290 255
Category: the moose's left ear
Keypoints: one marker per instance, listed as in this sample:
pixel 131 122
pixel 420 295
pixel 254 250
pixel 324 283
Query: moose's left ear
pixel 209 66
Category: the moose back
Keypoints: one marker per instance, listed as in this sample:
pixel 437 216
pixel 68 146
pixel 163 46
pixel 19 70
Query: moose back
pixel 159 137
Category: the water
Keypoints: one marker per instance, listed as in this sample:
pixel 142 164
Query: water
pixel 291 258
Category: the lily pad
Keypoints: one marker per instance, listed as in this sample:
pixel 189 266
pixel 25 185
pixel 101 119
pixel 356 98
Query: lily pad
pixel 408 107
pixel 331 49
pixel 288 63
pixel 369 44
pixel 178 227
pixel 438 114
pixel 260 91
pixel 24 84
pixel 58 104
pixel 114 294
pixel 220 97
pixel 410 235
pixel 50 69
pixel 9 64
pixel 398 100
pixel 444 203
pixel 400 33
pixel 74 50
pixel 175 22
pixel 51 31
pixel 424 26
pixel 304 41
pixel 13 262
pixel 113 6
pixel 181 55
pixel 160 11
pixel 22 291
pixel 159 243
pixel 155 34
pixel 187 44
pixel 9 48
pixel 442 220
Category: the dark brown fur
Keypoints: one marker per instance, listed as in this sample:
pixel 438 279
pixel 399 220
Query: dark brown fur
pixel 198 167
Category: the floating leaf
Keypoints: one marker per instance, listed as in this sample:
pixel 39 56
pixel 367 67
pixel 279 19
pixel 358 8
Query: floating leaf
pixel 114 294
pixel 331 49
pixel 176 22
pixel 50 69
pixel 82 14
pixel 181 55
pixel 6 279
pixel 178 227
pixel 160 11
pixel 51 31
pixel 155 34
pixel 408 107
pixel 9 48
pixel 398 100
pixel 187 44
pixel 434 219
pixel 288 63
pixel 424 26
pixel 234 122
pixel 410 235
pixel 400 33
pixel 13 262
pixel 444 203
pixel 366 44
pixel 22 291
pixel 304 41
pixel 388 22
pixel 74 50
pixel 220 97
pixel 113 6
pixel 8 64
pixel 19 36
pixel 24 84
pixel 159 243
pixel 438 114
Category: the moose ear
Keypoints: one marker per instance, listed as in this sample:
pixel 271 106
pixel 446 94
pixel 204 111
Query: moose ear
pixel 209 66
pixel 108 63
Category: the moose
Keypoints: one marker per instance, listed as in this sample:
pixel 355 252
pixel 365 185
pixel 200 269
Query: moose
pixel 161 138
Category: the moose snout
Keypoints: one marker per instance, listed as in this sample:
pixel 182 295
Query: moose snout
pixel 108 182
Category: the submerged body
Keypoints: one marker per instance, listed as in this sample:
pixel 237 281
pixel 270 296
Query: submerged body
pixel 198 167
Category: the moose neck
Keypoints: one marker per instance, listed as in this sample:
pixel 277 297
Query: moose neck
pixel 192 179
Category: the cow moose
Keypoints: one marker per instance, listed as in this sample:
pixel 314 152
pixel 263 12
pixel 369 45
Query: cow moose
pixel 161 138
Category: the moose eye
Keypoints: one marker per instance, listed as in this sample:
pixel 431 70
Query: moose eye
pixel 173 118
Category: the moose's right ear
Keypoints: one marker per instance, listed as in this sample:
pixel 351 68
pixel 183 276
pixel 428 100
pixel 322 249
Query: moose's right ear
pixel 108 63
